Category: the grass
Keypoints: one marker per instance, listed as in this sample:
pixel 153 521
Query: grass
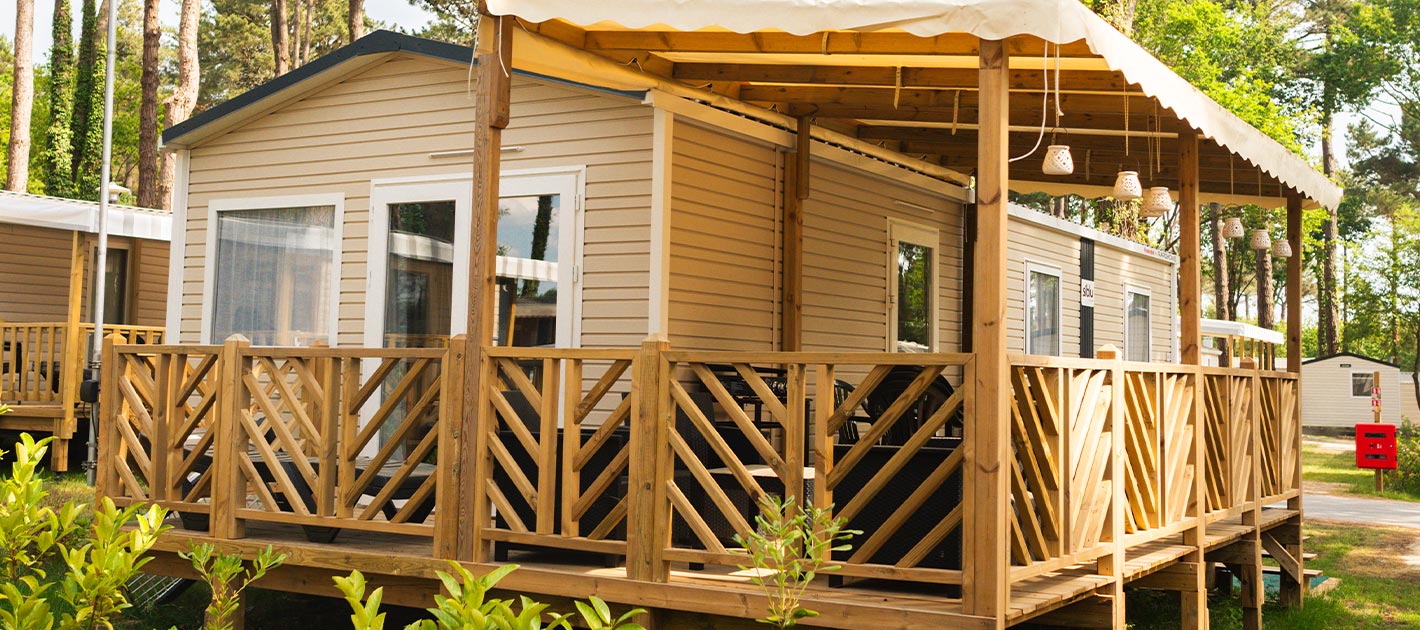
pixel 1378 590
pixel 1338 469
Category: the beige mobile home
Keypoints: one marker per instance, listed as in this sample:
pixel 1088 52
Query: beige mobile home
pixel 1338 392
pixel 1409 404
pixel 47 249
pixel 593 295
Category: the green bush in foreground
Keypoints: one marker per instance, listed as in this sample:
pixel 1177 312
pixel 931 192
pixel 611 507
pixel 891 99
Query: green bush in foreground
pixel 35 537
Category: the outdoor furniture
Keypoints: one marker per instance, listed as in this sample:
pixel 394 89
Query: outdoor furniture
pixel 898 379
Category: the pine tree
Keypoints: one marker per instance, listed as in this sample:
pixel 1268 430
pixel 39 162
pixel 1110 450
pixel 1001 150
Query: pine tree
pixel 87 125
pixel 58 154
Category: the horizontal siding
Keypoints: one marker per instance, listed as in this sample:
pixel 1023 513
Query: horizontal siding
pixel 150 288
pixel 724 241
pixel 385 122
pixel 1409 407
pixel 34 273
pixel 845 257
pixel 1115 271
pixel 1327 399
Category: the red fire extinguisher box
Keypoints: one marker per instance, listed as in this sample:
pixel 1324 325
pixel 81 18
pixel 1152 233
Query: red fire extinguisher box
pixel 1375 446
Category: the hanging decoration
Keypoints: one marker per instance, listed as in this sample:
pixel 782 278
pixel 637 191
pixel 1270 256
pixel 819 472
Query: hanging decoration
pixel 1157 204
pixel 1126 184
pixel 1058 160
pixel 1281 248
pixel 1233 228
pixel 1261 240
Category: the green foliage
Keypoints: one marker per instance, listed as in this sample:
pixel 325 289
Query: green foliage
pixel 33 536
pixel 789 547
pixel 1406 477
pixel 57 147
pixel 468 607
pixel 228 577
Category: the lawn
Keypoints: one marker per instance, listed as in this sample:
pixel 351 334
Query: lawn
pixel 1338 470
pixel 1378 590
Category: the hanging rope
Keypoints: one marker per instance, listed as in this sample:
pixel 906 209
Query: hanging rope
pixel 956 107
pixel 1044 103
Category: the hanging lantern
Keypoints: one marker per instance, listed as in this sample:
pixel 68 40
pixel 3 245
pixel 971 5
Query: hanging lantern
pixel 1281 248
pixel 1058 160
pixel 1157 204
pixel 1233 228
pixel 1127 186
pixel 1261 240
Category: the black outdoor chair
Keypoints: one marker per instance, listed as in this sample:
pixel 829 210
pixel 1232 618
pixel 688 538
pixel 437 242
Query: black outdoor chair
pixel 892 387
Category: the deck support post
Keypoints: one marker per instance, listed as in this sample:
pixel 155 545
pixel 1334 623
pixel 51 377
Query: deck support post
pixel 1250 571
pixel 1293 590
pixel 229 489
pixel 452 443
pixel 796 190
pixel 648 506
pixel 73 362
pixel 1194 601
pixel 986 580
pixel 492 106
pixel 1112 565
pixel 106 475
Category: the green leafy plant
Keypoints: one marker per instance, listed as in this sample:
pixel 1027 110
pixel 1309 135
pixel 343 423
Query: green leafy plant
pixel 34 536
pixel 789 547
pixel 228 577
pixel 468 607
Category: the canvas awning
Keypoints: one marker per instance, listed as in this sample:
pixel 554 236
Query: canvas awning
pixel 901 71
pixel 83 216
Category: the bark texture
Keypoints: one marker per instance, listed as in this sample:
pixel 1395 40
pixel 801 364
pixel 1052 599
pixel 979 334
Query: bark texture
pixel 22 97
pixel 184 97
pixel 148 161
pixel 280 43
pixel 357 19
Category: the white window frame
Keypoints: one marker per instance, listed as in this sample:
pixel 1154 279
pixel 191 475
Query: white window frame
pixel 569 182
pixel 1059 275
pixel 1352 384
pixel 218 206
pixel 918 234
pixel 1129 292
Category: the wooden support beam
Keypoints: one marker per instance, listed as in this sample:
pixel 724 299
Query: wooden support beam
pixel 1190 285
pixel 912 78
pixel 830 43
pixel 1180 576
pixel 1113 564
pixel 229 488
pixel 987 575
pixel 1292 592
pixel 797 184
pixel 74 360
pixel 492 106
pixel 649 468
pixel 1291 565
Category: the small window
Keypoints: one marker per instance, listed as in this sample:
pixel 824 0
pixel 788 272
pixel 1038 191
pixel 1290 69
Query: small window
pixel 1362 383
pixel 1042 311
pixel 1138 326
pixel 912 288
pixel 273 275
pixel 116 287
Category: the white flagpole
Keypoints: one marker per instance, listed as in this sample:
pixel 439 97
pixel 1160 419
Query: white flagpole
pixel 101 262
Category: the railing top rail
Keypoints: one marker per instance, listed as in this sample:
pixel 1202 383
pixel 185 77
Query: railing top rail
pixel 515 352
pixel 845 358
pixel 287 352
pixel 1075 363
pixel 1282 375
pixel 1211 370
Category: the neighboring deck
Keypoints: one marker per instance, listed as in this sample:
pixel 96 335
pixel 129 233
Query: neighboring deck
pixel 626 473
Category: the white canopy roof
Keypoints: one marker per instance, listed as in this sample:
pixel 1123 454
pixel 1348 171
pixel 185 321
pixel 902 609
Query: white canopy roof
pixel 1223 328
pixel 83 216
pixel 1056 21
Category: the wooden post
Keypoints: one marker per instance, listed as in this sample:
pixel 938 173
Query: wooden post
pixel 74 358
pixel 1253 593
pixel 450 453
pixel 796 190
pixel 1112 565
pixel 106 475
pixel 986 581
pixel 1194 608
pixel 648 514
pixel 1380 475
pixel 1292 591
pixel 491 115
pixel 229 486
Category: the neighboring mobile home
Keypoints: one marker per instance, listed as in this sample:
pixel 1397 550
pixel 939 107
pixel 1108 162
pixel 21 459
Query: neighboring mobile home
pixel 1338 391
pixel 372 200
pixel 47 253
pixel 1409 404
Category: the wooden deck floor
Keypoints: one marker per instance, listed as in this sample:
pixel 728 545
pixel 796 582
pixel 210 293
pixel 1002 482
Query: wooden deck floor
pixel 726 593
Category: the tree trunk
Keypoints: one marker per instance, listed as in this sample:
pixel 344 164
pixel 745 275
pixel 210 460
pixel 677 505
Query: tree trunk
pixel 1221 289
pixel 184 97
pixel 306 27
pixel 148 161
pixel 1265 313
pixel 280 47
pixel 357 19
pixel 58 178
pixel 1328 300
pixel 1415 365
pixel 22 97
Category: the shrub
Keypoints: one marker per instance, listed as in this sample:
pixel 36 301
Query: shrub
pixel 789 546
pixel 1406 477
pixel 224 574
pixel 34 537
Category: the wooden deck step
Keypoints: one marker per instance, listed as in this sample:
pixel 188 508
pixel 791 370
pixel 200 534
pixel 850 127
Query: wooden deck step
pixel 1041 594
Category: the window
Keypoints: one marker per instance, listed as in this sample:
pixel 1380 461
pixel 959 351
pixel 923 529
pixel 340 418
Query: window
pixel 1042 310
pixel 420 278
pixel 529 235
pixel 116 286
pixel 912 288
pixel 1362 383
pixel 1138 330
pixel 272 274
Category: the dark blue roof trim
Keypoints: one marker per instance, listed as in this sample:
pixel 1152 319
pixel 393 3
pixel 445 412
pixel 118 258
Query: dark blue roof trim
pixel 381 41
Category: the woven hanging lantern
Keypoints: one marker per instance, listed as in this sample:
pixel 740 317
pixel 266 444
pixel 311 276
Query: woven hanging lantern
pixel 1127 186
pixel 1058 160
pixel 1233 228
pixel 1261 240
pixel 1281 248
pixel 1158 203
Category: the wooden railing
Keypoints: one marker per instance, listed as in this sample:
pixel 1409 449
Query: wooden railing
pixel 283 435
pixel 661 456
pixel 43 362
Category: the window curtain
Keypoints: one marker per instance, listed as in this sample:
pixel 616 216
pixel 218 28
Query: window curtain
pixel 273 269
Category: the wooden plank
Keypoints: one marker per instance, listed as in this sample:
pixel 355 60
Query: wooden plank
pixel 648 430
pixel 986 590
pixel 449 541
pixel 229 487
